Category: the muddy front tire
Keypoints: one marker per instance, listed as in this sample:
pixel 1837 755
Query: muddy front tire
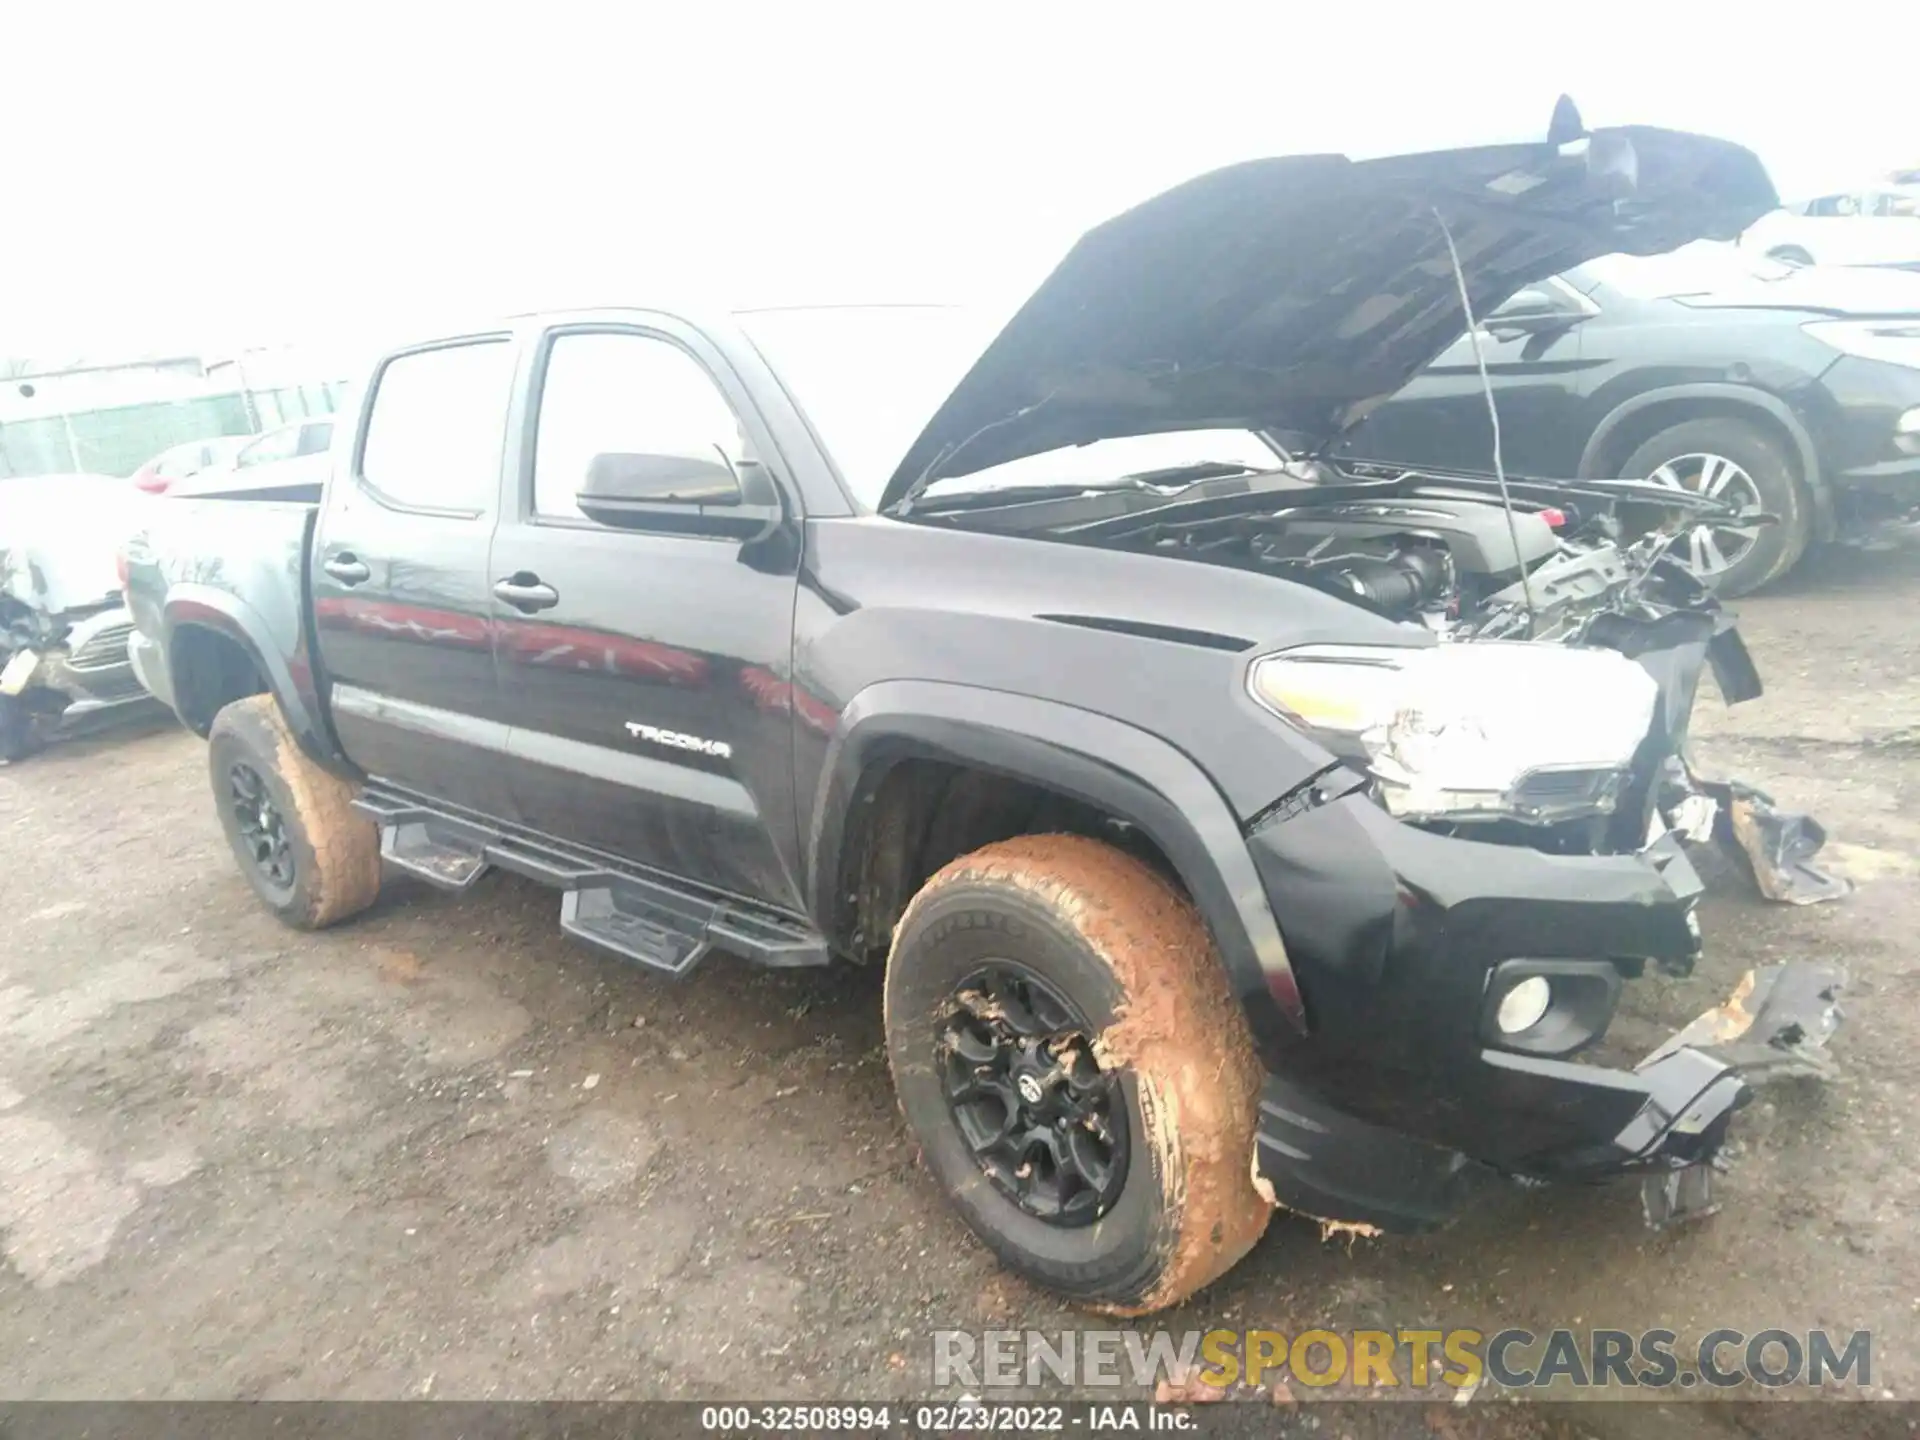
pixel 308 854
pixel 1079 1076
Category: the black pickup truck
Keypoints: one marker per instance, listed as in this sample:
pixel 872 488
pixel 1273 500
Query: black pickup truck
pixel 1234 832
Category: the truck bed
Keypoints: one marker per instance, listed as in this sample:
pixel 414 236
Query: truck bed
pixel 241 560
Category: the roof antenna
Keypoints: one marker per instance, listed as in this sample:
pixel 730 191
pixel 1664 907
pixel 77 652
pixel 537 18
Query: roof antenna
pixel 1493 414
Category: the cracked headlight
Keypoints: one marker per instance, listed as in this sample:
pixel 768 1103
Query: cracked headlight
pixel 1527 731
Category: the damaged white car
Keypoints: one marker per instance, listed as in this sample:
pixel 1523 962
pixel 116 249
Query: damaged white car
pixel 63 622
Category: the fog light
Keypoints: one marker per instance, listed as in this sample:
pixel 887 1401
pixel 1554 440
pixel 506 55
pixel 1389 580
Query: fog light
pixel 1548 1007
pixel 1523 1005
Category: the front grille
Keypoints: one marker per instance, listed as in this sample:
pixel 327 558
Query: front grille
pixel 104 686
pixel 104 649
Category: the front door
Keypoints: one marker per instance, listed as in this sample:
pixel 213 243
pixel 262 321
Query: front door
pixel 402 590
pixel 1533 359
pixel 640 670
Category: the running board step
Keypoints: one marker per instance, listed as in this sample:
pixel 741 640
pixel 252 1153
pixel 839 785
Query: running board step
pixel 441 861
pixel 637 914
pixel 635 928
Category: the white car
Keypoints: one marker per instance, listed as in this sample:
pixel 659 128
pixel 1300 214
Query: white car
pixel 180 462
pixel 63 621
pixel 290 459
pixel 1873 226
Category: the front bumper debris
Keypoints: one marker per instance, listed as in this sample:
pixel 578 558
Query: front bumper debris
pixel 1775 1024
pixel 1313 1157
pixel 1393 1112
pixel 1677 630
pixel 1777 846
pixel 1401 1101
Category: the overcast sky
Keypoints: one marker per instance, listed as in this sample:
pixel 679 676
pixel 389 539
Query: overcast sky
pixel 190 174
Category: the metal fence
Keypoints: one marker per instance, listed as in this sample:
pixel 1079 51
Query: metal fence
pixel 117 440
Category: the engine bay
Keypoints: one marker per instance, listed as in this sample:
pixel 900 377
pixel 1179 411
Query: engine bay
pixel 1421 558
pixel 1440 551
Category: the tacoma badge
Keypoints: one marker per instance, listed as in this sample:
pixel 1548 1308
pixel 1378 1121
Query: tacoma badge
pixel 719 749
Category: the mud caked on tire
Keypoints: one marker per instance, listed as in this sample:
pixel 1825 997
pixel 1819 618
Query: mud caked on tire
pixel 307 853
pixel 1080 1078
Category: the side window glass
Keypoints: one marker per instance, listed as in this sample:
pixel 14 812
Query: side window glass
pixel 435 430
pixel 612 393
pixel 315 437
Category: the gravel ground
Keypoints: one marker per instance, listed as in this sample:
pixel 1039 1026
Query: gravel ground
pixel 442 1152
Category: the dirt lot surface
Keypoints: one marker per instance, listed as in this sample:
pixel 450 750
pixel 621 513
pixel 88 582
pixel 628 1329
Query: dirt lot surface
pixel 443 1152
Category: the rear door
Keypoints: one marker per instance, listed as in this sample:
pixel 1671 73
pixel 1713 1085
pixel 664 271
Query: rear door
pixel 402 595
pixel 641 671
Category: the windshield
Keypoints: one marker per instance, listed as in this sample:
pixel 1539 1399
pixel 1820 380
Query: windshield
pixel 1104 461
pixel 1695 269
pixel 870 377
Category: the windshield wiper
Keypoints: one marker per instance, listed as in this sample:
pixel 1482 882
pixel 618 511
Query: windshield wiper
pixel 1016 494
pixel 1180 477
pixel 1193 471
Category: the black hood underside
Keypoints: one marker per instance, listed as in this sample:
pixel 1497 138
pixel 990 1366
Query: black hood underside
pixel 1292 295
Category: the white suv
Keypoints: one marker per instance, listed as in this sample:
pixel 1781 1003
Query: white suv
pixel 1875 226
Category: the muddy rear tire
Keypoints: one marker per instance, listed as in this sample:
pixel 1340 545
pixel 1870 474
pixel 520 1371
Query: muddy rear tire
pixel 1080 1078
pixel 310 857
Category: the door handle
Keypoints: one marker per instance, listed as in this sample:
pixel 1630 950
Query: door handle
pixel 526 593
pixel 346 568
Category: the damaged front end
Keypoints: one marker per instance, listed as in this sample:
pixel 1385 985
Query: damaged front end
pixel 60 662
pixel 1456 988
pixel 1665 1120
pixel 1496 842
pixel 1470 562
pixel 1503 845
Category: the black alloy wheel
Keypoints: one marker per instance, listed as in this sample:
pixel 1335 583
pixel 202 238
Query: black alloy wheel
pixel 261 827
pixel 1042 1120
pixel 308 854
pixel 1078 1072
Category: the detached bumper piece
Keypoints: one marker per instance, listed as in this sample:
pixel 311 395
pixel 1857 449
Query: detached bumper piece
pixel 1314 1158
pixel 1777 847
pixel 1775 1025
pixel 1318 1161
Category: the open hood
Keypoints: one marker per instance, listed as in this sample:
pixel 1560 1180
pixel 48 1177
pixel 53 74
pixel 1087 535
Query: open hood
pixel 1292 295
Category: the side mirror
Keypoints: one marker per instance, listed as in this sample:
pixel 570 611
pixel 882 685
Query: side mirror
pixel 1533 311
pixel 679 494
